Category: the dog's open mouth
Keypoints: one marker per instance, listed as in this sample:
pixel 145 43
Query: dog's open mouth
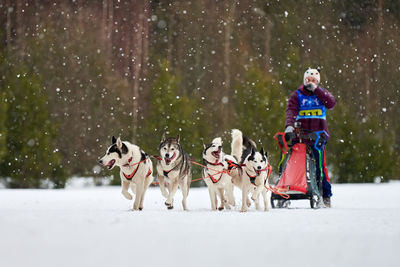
pixel 168 160
pixel 258 172
pixel 217 153
pixel 110 164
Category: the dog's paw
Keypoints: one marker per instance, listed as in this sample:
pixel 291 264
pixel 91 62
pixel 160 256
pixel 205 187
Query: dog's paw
pixel 248 203
pixel 243 210
pixel 220 208
pixel 140 208
pixel 127 195
pixel 170 206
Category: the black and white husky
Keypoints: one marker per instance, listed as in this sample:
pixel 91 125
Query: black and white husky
pixel 254 173
pixel 216 174
pixel 175 169
pixel 136 169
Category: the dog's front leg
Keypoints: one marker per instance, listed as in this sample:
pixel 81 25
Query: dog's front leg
pixel 172 190
pixel 125 187
pixel 162 186
pixel 245 198
pixel 139 193
pixel 224 203
pixel 266 197
pixel 256 199
pixel 213 197
pixel 229 194
pixel 185 191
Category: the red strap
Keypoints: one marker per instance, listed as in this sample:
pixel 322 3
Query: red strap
pixel 148 173
pixel 132 174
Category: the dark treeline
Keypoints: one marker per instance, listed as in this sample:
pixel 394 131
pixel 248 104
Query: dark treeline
pixel 75 73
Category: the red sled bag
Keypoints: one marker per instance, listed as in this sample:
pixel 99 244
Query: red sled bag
pixel 294 176
pixel 297 172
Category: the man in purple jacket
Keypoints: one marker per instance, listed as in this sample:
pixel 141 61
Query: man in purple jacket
pixel 308 105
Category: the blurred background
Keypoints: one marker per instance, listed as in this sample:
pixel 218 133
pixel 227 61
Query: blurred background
pixel 74 73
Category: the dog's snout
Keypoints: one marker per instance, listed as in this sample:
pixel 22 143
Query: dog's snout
pixel 167 155
pixel 259 167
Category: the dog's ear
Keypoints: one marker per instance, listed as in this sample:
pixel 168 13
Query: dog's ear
pixel 252 154
pixel 113 140
pixel 262 151
pixel 119 143
pixel 204 146
pixel 163 137
pixel 178 138
pixel 319 69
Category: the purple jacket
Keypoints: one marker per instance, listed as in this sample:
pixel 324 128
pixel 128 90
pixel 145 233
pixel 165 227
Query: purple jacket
pixel 313 125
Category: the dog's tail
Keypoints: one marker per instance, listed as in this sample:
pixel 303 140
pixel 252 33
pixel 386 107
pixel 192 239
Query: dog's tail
pixel 237 144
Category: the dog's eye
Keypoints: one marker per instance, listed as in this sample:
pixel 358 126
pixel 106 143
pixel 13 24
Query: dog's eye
pixel 165 148
pixel 172 149
pixel 108 153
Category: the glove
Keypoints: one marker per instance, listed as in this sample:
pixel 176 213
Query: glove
pixel 289 129
pixel 310 86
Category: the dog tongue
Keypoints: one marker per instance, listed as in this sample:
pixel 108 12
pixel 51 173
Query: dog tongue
pixel 168 160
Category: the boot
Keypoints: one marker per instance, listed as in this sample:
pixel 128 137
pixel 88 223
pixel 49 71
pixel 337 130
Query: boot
pixel 327 202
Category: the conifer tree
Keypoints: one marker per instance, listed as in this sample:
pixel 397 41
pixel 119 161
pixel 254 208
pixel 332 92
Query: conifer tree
pixel 31 159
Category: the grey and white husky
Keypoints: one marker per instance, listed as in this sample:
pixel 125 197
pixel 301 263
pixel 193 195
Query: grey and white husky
pixel 216 174
pixel 253 178
pixel 136 169
pixel 175 169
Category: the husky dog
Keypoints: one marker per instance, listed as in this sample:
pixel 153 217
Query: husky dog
pixel 253 178
pixel 255 169
pixel 136 169
pixel 174 168
pixel 216 176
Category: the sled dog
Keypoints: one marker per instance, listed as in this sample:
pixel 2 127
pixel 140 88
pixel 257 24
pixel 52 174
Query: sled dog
pixel 253 178
pixel 175 169
pixel 136 169
pixel 216 174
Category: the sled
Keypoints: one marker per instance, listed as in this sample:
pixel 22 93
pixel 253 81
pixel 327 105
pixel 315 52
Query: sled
pixel 297 169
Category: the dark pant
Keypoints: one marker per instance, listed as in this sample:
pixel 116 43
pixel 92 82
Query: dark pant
pixel 326 186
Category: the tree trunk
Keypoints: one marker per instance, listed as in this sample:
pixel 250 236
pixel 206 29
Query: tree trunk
pixel 227 45
pixel 20 38
pixel 136 65
pixel 267 52
pixel 8 25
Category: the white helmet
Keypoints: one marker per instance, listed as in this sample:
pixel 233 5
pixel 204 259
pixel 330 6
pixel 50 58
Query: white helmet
pixel 314 73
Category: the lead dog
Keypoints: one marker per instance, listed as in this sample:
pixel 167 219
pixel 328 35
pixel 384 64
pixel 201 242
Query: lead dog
pixel 253 177
pixel 255 169
pixel 174 168
pixel 216 174
pixel 136 169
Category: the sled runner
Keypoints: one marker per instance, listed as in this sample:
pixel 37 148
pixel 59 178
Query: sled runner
pixel 297 169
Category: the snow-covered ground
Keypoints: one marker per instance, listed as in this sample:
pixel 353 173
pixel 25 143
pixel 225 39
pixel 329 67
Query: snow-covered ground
pixel 94 227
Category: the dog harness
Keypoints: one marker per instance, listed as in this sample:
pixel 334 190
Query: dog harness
pixel 213 179
pixel 253 178
pixel 130 176
pixel 310 107
pixel 166 173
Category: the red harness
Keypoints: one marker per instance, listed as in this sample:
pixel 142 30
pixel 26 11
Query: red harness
pixel 130 176
pixel 213 179
pixel 253 178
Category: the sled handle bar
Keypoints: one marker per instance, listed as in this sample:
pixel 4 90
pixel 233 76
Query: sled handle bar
pixel 282 142
pixel 321 138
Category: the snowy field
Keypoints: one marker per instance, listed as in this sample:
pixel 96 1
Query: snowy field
pixel 94 227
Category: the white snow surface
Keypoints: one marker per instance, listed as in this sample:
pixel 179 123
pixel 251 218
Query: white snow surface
pixel 95 227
